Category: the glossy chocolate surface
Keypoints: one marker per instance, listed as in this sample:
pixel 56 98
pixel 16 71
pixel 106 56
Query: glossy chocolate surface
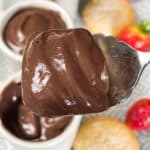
pixel 70 72
pixel 28 21
pixel 64 73
pixel 23 123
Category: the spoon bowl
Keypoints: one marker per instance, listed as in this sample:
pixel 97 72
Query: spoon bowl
pixel 124 65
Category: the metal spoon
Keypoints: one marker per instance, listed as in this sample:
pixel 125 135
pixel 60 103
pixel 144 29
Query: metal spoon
pixel 124 65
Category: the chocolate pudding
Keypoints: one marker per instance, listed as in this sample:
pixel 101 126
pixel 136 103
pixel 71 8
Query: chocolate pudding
pixel 64 73
pixel 23 123
pixel 69 72
pixel 28 21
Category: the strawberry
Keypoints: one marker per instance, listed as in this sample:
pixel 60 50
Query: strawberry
pixel 138 116
pixel 137 36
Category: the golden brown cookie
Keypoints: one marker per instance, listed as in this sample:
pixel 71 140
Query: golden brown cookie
pixel 102 133
pixel 107 16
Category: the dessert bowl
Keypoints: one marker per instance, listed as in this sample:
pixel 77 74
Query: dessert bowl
pixel 5 17
pixel 62 141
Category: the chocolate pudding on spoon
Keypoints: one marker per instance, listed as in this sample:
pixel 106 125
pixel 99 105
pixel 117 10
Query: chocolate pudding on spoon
pixel 28 21
pixel 72 74
pixel 23 123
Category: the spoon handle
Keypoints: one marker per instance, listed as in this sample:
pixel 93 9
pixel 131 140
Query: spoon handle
pixel 144 58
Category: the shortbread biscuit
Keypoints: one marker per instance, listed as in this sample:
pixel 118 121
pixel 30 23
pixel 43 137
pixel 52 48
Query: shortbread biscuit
pixel 102 133
pixel 107 16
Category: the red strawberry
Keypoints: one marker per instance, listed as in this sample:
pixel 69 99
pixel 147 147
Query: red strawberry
pixel 134 36
pixel 138 116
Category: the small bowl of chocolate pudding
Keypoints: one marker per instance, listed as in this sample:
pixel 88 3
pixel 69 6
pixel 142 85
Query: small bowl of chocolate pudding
pixel 26 18
pixel 25 130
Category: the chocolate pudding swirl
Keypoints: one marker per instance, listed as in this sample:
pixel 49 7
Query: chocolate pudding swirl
pixel 22 122
pixel 64 73
pixel 69 72
pixel 28 21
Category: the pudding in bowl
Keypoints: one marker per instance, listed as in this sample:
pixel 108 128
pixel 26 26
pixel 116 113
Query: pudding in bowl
pixel 27 17
pixel 28 21
pixel 24 130
pixel 22 122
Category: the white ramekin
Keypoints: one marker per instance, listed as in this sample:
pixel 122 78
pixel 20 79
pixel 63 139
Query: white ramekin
pixel 60 142
pixel 27 4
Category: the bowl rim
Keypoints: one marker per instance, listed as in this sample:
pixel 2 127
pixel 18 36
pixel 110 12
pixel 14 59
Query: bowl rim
pixel 31 144
pixel 7 14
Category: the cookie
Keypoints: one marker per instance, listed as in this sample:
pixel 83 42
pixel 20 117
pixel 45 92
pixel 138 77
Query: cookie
pixel 107 16
pixel 102 133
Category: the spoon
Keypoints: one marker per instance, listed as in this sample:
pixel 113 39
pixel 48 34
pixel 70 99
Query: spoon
pixel 101 74
pixel 124 65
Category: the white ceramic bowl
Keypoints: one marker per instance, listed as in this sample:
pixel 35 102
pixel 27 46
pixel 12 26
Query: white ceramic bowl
pixel 60 142
pixel 27 4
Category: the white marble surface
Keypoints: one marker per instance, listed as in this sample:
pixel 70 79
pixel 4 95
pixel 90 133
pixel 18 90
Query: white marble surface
pixel 7 67
pixel 142 9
